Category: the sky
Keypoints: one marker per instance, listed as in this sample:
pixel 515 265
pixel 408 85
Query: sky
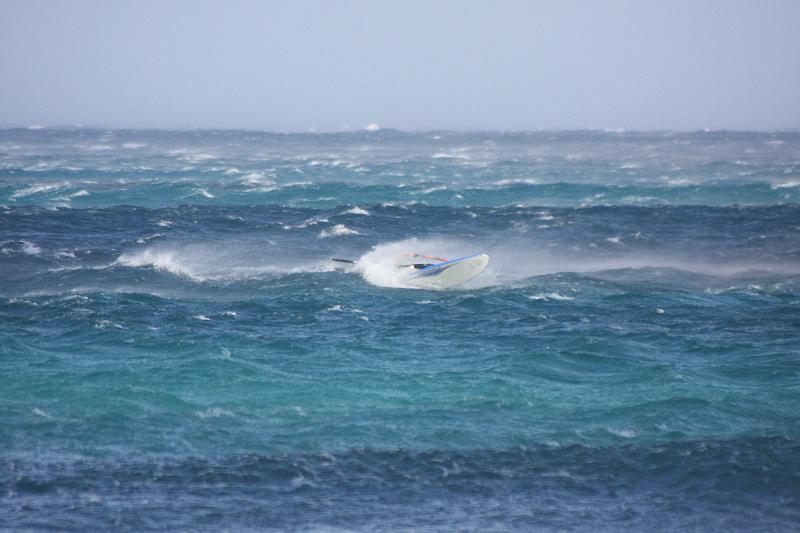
pixel 309 65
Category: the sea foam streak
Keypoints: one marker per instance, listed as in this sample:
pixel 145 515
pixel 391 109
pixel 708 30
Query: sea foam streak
pixel 215 262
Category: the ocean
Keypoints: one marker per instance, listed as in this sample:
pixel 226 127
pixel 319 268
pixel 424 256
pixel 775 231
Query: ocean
pixel 178 352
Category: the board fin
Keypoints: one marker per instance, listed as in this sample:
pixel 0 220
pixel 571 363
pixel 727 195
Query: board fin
pixel 349 261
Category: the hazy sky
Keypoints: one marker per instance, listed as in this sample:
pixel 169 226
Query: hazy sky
pixel 332 65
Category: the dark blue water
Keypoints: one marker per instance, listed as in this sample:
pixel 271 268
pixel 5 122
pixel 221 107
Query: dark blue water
pixel 179 352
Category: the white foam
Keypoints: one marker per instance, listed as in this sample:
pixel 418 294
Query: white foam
pixel 41 413
pixel 546 297
pixel 357 211
pixel 216 262
pixel 379 266
pixel 337 231
pixel 433 189
pixel 164 223
pixel 786 184
pixel 82 192
pixel 450 155
pixel 679 182
pixel 202 317
pixel 614 240
pixel 105 324
pixel 30 248
pixel 258 182
pixel 517 181
pixel 163 260
pixel 372 127
pixel 624 433
pixel 204 192
pixel 36 189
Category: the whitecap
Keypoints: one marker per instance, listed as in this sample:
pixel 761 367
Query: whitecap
pixel 786 185
pixel 517 181
pixel 35 189
pixel 105 324
pixel 448 155
pixel 202 317
pixel 614 240
pixel 313 221
pixel 258 182
pixel 30 248
pixel 336 231
pixel 165 260
pixel 357 211
pixel 301 481
pixel 624 433
pixel 433 189
pixel 546 297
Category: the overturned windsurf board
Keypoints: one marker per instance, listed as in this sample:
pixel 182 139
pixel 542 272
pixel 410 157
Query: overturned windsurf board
pixel 440 276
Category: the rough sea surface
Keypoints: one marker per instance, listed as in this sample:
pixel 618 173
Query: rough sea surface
pixel 178 351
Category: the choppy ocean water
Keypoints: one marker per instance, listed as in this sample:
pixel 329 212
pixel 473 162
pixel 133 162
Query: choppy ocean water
pixel 178 351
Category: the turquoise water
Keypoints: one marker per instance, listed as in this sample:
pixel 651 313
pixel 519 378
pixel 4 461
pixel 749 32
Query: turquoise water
pixel 178 351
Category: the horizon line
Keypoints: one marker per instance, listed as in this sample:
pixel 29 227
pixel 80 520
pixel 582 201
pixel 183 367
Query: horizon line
pixel 375 129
